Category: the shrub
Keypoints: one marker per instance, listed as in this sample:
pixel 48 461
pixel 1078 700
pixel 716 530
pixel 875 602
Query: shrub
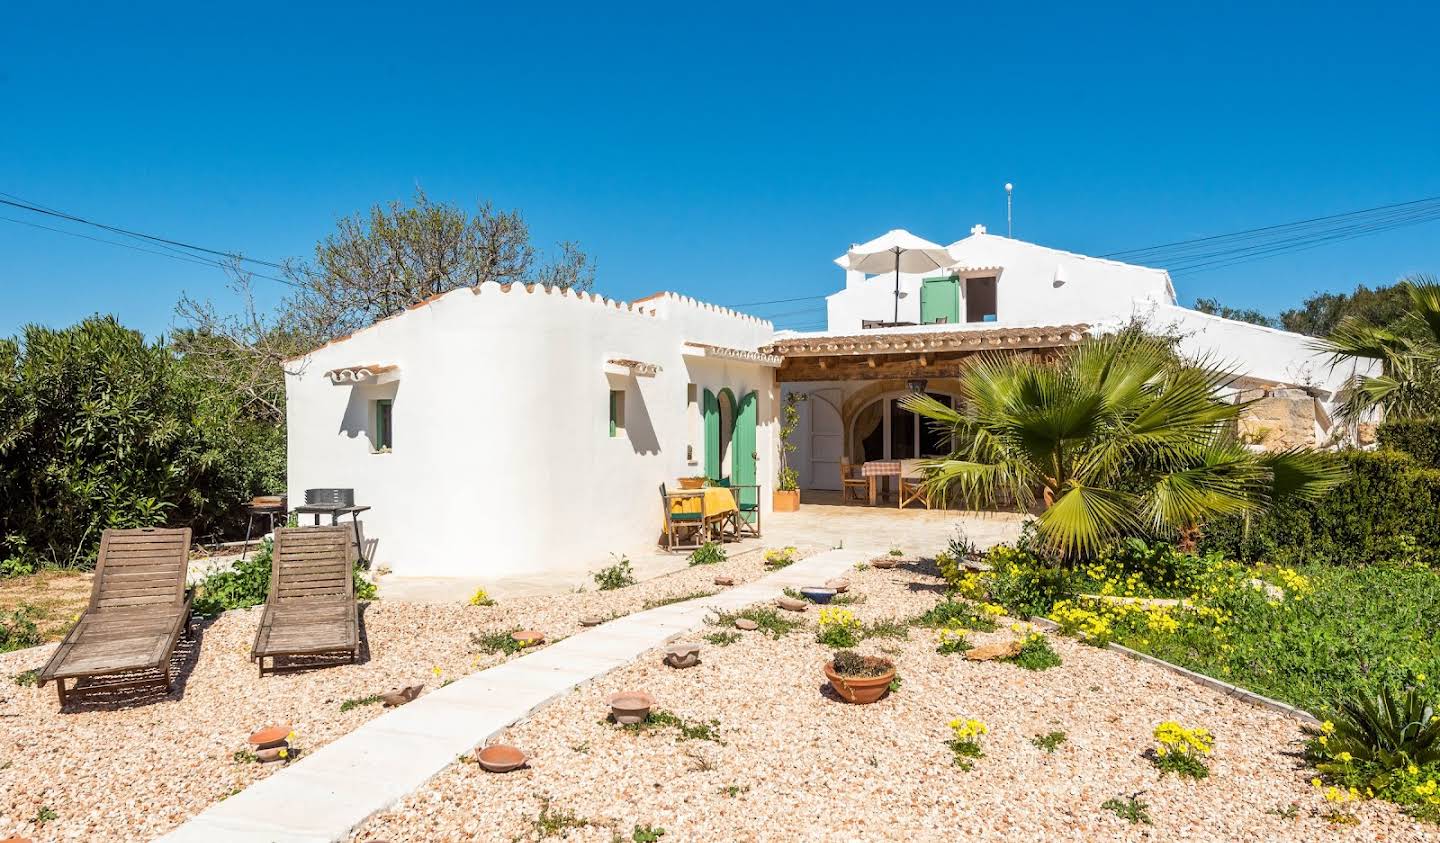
pixel 956 613
pixel 497 641
pixel 1387 510
pixel 481 597
pixel 18 630
pixel 851 663
pixel 769 619
pixel 838 628
pixel 1385 745
pixel 1024 582
pixel 100 428
pixel 951 639
pixel 247 582
pixel 1182 751
pixel 1049 741
pixel 709 553
pixel 1420 438
pixel 780 557
pixel 1035 653
pixel 616 576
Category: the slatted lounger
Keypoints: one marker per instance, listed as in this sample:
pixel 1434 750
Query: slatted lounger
pixel 139 607
pixel 311 607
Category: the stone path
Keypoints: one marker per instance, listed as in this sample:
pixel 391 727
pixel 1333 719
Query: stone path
pixel 328 793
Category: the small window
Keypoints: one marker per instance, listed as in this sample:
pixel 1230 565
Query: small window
pixel 617 412
pixel 384 425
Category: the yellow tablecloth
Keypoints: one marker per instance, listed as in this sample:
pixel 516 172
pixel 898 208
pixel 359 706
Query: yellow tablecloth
pixel 715 502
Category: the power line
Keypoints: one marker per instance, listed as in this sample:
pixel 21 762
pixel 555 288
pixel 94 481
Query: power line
pixel 40 209
pixel 776 301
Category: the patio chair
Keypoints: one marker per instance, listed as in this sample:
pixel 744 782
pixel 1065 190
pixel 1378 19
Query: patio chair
pixel 311 608
pixel 851 483
pixel 746 518
pixel 677 522
pixel 139 607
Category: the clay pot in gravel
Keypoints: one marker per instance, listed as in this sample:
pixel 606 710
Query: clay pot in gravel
pixel 270 736
pixel 819 595
pixel 862 690
pixel 269 755
pixel 724 580
pixel 791 604
pixel 591 620
pixel 500 758
pixel 528 637
pixel 682 655
pixel 840 584
pixel 746 624
pixel 400 696
pixel 630 707
pixel 885 563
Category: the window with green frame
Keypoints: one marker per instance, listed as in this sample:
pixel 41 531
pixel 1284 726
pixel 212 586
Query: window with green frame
pixel 384 424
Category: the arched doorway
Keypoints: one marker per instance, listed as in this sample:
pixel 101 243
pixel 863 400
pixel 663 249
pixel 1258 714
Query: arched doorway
pixel 726 408
pixel 883 430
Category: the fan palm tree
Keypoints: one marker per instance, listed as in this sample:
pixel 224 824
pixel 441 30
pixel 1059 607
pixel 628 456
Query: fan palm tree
pixel 1116 437
pixel 1408 351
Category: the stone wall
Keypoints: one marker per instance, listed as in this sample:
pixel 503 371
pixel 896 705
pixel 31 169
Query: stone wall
pixel 1283 418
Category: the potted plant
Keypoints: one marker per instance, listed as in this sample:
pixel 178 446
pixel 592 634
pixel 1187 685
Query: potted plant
pixel 787 486
pixel 859 679
pixel 696 482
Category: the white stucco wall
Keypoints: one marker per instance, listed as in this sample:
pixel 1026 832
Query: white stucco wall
pixel 1037 286
pixel 502 461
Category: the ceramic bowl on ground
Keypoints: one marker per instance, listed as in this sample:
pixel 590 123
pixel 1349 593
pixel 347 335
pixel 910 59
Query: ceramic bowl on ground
pixel 528 637
pixel 791 604
pixel 591 620
pixel 500 758
pixel 270 736
pixel 682 655
pixel 818 595
pixel 885 563
pixel 630 707
pixel 840 584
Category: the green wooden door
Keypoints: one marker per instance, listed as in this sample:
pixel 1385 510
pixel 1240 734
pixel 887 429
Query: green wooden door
pixel 711 412
pixel 744 456
pixel 939 301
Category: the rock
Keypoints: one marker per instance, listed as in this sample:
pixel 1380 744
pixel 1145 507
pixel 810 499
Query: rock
pixel 591 620
pixel 840 584
pixel 790 604
pixel 400 696
pixel 724 580
pixel 885 563
pixel 986 652
pixel 746 624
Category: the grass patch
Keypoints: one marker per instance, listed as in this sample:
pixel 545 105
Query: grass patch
pixel 770 621
pixel 704 730
pixel 723 639
pixel 1035 653
pixel 886 628
pixel 554 822
pixel 616 576
pixel 1050 741
pixel 1129 808
pixel 52 598
pixel 679 598
pixel 356 702
pixel 27 678
pixel 709 553
pixel 955 613
pixel 496 641
pixel 848 599
pixel 647 834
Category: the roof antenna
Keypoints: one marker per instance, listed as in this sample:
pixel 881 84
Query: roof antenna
pixel 1009 210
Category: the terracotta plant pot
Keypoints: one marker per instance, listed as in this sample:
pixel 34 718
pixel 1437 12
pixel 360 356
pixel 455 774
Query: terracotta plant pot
pixel 819 595
pixel 885 563
pixel 270 736
pixel 746 624
pixel 500 758
pixel 528 637
pixel 790 604
pixel 860 690
pixel 787 501
pixel 682 655
pixel 269 755
pixel 591 620
pixel 692 482
pixel 630 707
pixel 840 584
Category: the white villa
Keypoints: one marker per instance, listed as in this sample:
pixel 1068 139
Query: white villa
pixel 509 430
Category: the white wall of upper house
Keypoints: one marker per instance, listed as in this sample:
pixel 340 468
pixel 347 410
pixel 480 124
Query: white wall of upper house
pixel 502 460
pixel 1035 285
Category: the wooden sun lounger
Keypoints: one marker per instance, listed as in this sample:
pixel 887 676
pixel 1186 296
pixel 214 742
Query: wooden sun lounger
pixel 139 607
pixel 311 608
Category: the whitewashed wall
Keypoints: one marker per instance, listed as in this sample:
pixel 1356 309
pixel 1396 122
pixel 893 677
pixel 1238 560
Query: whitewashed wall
pixel 502 461
pixel 1037 286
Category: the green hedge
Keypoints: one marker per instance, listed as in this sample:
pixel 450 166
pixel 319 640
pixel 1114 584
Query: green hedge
pixel 1389 509
pixel 1419 439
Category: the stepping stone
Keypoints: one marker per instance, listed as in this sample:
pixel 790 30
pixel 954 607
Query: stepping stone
pixel 790 604
pixel 746 624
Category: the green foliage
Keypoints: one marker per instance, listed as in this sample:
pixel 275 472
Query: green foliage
pixel 955 613
pixel 44 815
pixel 1050 741
pixel 494 641
pixel 1129 808
pixel 1254 317
pixel 788 479
pixel 723 639
pixel 554 822
pixel 1119 436
pixel 356 702
pixel 770 621
pixel 1408 350
pixel 1320 314
pixel 99 428
pixel 247 582
pixel 851 663
pixel 679 598
pixel 616 576
pixel 1420 438
pixel 647 834
pixel 1182 764
pixel 1386 730
pixel 706 730
pixel 27 678
pixel 709 553
pixel 1388 509
pixel 1036 653
pixel 17 629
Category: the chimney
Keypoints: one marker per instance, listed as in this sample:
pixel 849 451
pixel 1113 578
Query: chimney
pixel 977 228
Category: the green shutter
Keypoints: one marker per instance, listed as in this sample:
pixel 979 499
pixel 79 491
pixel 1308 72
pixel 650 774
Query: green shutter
pixel 939 298
pixel 384 424
pixel 613 414
pixel 711 409
pixel 742 449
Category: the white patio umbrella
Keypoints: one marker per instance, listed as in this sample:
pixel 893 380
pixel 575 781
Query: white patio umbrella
pixel 897 250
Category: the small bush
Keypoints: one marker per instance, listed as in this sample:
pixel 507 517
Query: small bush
pixel 18 630
pixel 838 628
pixel 723 639
pixel 851 663
pixel 956 613
pixel 709 553
pixel 1050 741
pixel 1388 744
pixel 247 583
pixel 481 598
pixel 965 741
pixel 497 641
pixel 616 576
pixel 27 678
pixel 647 834
pixel 1035 653
pixel 780 557
pixel 1130 808
pixel 770 621
pixel 1182 751
pixel 1420 438
pixel 951 639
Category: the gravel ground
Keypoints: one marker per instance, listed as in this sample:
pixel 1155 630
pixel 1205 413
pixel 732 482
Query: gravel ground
pixel 796 764
pixel 132 766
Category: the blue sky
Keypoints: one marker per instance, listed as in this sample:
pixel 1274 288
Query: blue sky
pixel 729 151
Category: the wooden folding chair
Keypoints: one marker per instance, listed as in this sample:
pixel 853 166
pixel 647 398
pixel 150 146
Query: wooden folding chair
pixel 852 483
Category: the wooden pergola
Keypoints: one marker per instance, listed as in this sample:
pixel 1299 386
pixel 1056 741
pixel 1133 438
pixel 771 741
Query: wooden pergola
pixel 883 354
